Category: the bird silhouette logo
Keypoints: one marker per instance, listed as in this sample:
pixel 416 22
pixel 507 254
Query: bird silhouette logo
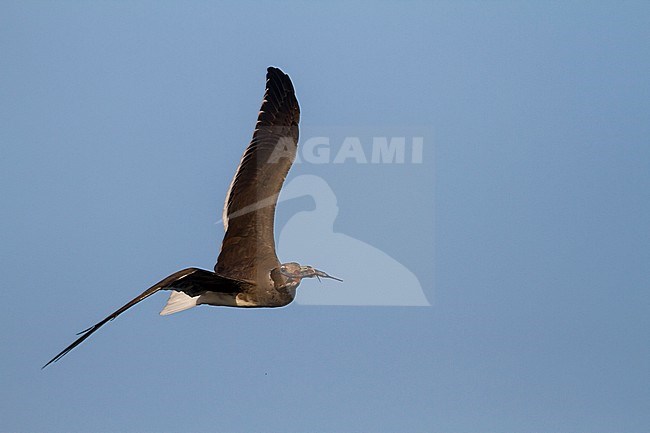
pixel 372 277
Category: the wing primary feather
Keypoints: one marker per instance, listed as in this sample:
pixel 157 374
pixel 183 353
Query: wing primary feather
pixel 279 100
pixel 162 285
pixel 249 209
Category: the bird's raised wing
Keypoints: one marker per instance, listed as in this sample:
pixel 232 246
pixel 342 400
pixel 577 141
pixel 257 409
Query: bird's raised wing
pixel 248 248
pixel 192 281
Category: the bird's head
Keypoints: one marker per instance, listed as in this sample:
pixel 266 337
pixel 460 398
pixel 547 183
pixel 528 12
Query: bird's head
pixel 293 273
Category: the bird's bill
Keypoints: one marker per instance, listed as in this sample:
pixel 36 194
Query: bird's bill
pixel 309 272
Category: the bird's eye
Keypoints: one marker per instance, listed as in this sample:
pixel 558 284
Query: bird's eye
pixel 283 268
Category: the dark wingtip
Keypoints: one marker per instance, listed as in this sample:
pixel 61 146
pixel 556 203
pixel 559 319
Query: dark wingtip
pixel 279 100
pixel 56 358
pixel 84 334
pixel 273 69
pixel 150 291
pixel 273 73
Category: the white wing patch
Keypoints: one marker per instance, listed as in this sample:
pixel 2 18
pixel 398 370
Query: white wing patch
pixel 179 301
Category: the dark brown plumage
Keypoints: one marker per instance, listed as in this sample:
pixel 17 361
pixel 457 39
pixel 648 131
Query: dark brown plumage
pixel 248 272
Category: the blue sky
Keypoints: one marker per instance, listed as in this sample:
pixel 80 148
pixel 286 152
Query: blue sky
pixel 525 223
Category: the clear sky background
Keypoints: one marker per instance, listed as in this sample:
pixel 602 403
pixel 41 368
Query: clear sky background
pixel 526 224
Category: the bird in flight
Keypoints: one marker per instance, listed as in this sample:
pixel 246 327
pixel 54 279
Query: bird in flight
pixel 248 273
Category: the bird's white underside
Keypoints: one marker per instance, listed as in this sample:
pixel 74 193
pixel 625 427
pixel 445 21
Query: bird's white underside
pixel 180 301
